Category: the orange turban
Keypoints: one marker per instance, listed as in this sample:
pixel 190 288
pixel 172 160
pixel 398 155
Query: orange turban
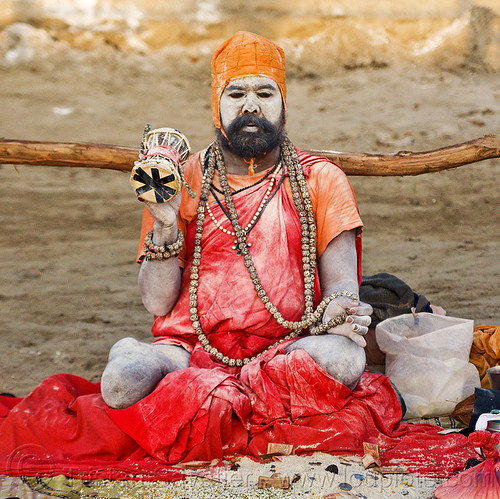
pixel 245 54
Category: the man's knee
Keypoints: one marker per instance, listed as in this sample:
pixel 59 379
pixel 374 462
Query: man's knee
pixel 174 357
pixel 135 368
pixel 126 347
pixel 127 380
pixel 339 356
pixel 170 357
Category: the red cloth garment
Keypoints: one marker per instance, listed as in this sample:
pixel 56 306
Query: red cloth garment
pixel 231 314
pixel 237 323
pixel 278 397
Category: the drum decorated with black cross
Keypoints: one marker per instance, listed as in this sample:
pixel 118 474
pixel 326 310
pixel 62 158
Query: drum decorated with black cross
pixel 157 176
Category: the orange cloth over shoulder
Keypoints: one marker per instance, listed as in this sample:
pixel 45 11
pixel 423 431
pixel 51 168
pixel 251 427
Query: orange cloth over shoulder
pixel 245 54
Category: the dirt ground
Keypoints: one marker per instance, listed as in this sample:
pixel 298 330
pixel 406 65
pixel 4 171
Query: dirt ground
pixel 69 236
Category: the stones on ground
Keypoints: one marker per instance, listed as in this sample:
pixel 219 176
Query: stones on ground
pixel 345 486
pixel 332 468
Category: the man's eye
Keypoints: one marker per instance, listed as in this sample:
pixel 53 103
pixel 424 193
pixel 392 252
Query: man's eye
pixel 236 95
pixel 264 95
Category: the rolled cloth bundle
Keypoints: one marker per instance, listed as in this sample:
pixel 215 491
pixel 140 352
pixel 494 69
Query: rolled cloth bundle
pixel 390 296
pixel 485 350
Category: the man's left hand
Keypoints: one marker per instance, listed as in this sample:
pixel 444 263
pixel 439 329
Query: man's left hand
pixel 358 318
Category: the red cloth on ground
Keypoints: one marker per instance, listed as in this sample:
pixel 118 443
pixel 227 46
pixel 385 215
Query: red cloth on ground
pixel 62 428
pixel 205 412
pixel 480 482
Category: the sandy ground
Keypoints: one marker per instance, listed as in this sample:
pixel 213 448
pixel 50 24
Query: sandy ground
pixel 69 236
pixel 318 476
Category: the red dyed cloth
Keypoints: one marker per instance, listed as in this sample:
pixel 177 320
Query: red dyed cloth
pixel 205 413
pixel 284 398
pixel 211 411
pixel 62 428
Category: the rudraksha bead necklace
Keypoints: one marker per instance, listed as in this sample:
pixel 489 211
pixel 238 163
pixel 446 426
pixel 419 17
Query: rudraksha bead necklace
pixel 302 201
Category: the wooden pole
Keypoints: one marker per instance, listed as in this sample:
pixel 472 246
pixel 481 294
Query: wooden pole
pixel 27 152
pixel 416 163
pixel 23 152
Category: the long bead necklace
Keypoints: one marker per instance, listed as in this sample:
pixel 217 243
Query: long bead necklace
pixel 300 195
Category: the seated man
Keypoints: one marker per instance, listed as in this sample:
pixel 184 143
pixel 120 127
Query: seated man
pixel 271 255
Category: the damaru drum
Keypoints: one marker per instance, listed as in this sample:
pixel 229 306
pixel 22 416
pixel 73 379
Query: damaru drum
pixel 157 176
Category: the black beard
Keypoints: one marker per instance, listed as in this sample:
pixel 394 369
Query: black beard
pixel 251 144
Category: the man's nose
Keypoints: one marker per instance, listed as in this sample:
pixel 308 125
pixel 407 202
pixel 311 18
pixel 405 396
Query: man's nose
pixel 250 106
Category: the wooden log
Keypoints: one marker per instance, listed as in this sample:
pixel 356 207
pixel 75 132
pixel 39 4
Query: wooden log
pixel 122 158
pixel 416 163
pixel 27 152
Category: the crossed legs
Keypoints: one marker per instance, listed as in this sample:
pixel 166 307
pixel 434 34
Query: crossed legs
pixel 135 368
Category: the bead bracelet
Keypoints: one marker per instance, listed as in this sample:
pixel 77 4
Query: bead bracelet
pixel 156 252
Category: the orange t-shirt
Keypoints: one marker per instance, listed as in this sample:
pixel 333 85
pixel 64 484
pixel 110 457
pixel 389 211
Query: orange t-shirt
pixel 331 194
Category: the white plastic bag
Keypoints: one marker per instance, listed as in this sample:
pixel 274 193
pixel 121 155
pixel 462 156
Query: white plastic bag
pixel 427 359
